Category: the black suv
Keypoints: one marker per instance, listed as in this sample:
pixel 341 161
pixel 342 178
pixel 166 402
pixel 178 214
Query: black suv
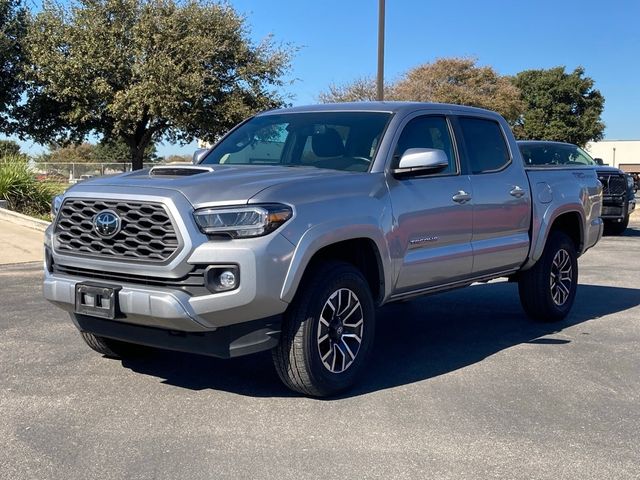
pixel 618 189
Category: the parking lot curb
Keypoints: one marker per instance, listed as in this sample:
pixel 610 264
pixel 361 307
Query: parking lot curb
pixel 24 220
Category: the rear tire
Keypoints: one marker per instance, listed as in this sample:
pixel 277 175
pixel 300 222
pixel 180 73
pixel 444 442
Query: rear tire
pixel 616 228
pixel 327 331
pixel 110 347
pixel 548 289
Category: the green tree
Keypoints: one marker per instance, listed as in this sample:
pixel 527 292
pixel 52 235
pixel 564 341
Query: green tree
pixel 460 81
pixel 76 153
pixel 145 70
pixel 560 106
pixel 446 80
pixel 362 89
pixel 12 31
pixel 9 148
pixel 116 151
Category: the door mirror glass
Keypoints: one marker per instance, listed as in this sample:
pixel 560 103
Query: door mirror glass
pixel 421 161
pixel 198 155
pixel 599 161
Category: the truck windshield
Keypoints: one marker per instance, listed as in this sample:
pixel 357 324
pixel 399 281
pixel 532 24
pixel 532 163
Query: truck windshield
pixel 334 140
pixel 540 154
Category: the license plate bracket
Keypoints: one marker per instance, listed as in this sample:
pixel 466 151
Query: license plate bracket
pixel 97 300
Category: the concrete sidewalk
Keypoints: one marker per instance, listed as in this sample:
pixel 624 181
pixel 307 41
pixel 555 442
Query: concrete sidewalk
pixel 19 244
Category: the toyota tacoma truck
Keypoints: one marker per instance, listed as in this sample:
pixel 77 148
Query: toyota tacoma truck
pixel 618 193
pixel 290 231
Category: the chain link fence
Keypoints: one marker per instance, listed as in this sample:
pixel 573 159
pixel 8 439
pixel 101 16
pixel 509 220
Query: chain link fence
pixel 76 172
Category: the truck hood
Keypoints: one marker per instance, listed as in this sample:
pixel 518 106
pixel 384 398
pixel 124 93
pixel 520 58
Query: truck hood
pixel 608 169
pixel 225 185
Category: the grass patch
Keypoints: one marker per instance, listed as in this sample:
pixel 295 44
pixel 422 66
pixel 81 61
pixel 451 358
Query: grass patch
pixel 22 191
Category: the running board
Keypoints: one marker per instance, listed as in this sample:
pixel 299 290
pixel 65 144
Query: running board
pixel 449 286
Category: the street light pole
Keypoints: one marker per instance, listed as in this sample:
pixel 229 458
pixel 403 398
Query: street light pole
pixel 380 79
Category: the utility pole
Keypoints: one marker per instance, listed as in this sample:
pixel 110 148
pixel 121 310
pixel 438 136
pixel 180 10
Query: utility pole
pixel 380 78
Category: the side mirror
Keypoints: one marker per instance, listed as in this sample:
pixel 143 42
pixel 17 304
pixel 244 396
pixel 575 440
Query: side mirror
pixel 421 161
pixel 599 161
pixel 199 155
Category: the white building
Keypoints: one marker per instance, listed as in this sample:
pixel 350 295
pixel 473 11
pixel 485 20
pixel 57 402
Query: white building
pixel 623 154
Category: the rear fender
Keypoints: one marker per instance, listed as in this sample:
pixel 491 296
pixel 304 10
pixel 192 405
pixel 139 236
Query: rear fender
pixel 545 222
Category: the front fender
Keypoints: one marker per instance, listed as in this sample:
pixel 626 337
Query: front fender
pixel 325 234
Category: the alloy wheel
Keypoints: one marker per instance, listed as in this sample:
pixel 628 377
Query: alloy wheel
pixel 340 330
pixel 561 278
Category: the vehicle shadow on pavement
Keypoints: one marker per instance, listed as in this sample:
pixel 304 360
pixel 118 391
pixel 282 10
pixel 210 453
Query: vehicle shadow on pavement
pixel 631 232
pixel 415 341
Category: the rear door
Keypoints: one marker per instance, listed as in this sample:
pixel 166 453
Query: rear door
pixel 500 191
pixel 432 212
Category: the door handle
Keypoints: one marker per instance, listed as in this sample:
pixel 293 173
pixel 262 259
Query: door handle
pixel 461 197
pixel 517 192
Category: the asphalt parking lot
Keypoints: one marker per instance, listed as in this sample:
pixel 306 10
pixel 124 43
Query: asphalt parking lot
pixel 461 386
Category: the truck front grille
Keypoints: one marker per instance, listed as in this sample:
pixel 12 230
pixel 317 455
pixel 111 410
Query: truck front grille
pixel 146 233
pixel 193 282
pixel 608 211
pixel 613 184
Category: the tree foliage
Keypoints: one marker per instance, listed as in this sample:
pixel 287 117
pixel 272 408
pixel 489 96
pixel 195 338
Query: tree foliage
pixel 114 151
pixel 559 106
pixel 362 89
pixel 145 70
pixel 460 81
pixel 9 148
pixel 12 31
pixel 446 80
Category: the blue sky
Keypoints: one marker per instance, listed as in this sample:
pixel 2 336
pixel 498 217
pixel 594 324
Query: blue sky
pixel 337 42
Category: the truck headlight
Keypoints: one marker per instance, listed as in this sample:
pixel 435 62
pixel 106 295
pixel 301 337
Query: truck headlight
pixel 630 182
pixel 56 203
pixel 242 222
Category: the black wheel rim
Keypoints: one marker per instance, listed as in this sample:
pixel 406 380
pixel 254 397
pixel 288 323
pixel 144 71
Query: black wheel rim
pixel 340 329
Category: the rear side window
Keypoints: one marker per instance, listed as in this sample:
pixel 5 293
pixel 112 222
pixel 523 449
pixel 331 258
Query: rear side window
pixel 485 145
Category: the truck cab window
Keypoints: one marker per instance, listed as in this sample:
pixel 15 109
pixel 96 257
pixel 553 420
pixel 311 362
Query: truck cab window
pixel 427 132
pixel 485 145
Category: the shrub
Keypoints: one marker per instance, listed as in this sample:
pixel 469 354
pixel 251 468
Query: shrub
pixel 20 188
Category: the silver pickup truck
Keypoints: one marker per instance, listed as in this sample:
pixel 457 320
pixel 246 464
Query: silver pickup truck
pixel 295 226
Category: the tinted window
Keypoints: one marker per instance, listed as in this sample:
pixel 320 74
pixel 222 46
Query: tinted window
pixel 538 154
pixel 485 145
pixel 427 132
pixel 335 140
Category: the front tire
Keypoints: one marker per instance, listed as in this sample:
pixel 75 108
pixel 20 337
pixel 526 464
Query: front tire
pixel 548 289
pixel 110 347
pixel 327 332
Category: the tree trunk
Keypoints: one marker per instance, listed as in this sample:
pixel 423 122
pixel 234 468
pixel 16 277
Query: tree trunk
pixel 137 147
pixel 137 157
pixel 138 142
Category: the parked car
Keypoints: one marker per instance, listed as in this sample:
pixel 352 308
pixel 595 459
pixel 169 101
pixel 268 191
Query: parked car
pixel 298 223
pixel 618 190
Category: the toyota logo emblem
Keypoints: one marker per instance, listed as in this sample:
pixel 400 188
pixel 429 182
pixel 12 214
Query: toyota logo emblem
pixel 106 223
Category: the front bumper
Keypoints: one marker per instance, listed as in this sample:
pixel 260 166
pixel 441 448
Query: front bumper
pixel 616 208
pixel 150 296
pixel 226 342
pixel 263 264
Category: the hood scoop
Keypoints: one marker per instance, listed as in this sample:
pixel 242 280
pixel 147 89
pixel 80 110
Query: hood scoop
pixel 178 170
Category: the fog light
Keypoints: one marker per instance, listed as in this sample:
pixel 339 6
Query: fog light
pixel 227 279
pixel 222 278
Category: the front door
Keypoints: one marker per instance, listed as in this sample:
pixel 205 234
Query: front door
pixel 433 213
